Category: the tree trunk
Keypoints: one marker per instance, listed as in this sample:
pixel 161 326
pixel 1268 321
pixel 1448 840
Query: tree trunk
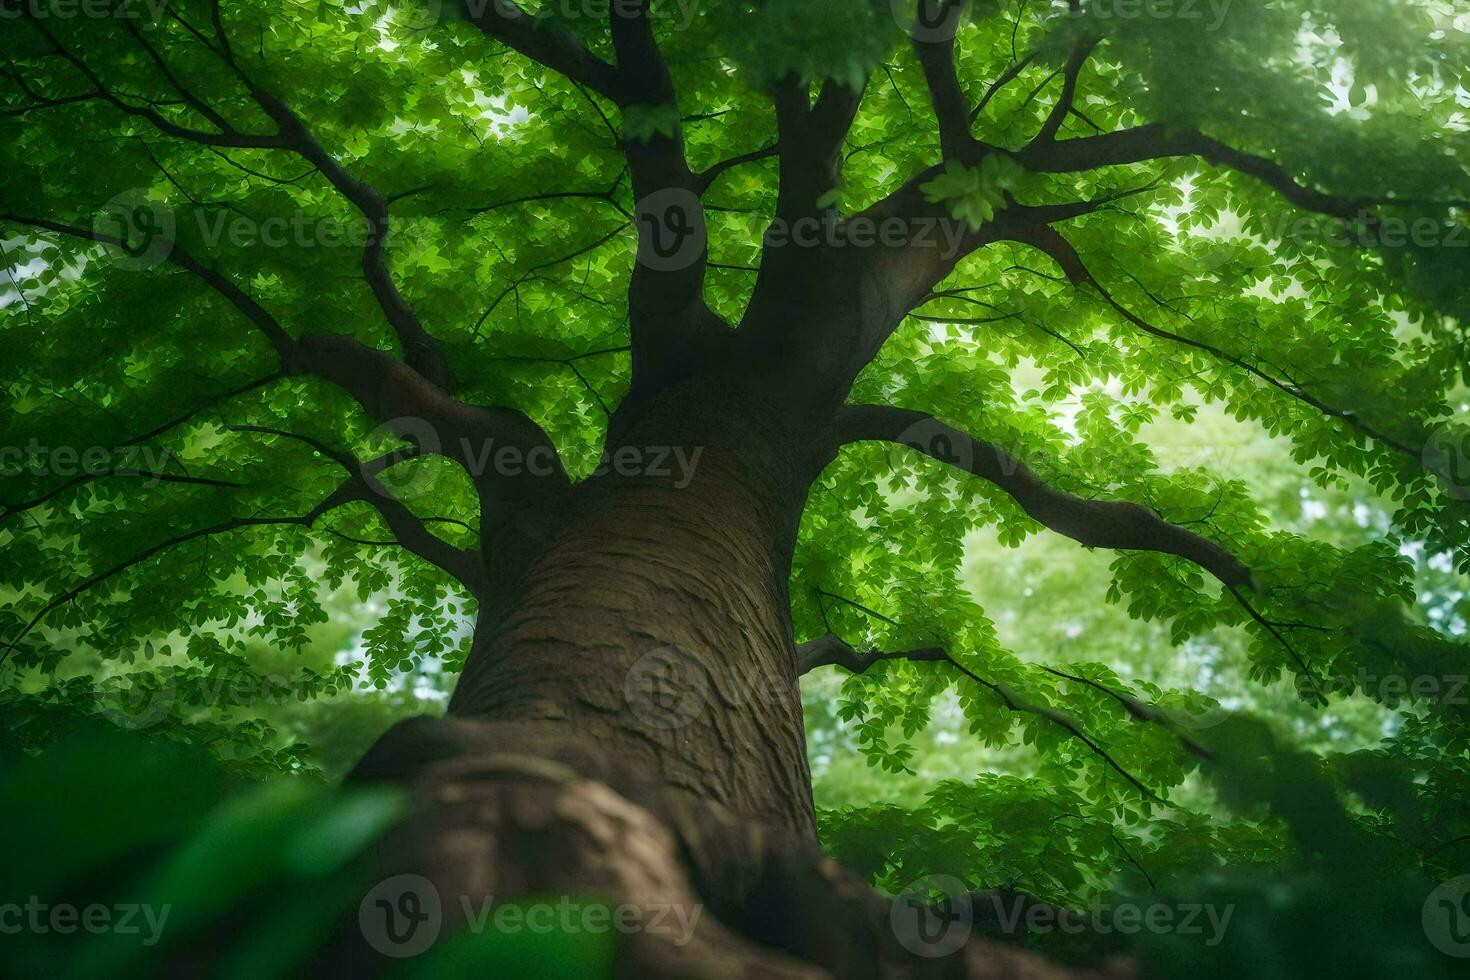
pixel 629 724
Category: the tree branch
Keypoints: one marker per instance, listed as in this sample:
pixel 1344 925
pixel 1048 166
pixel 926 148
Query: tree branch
pixel 253 311
pixel 1154 142
pixel 1071 71
pixel 809 142
pixel 561 51
pixel 1056 246
pixel 420 350
pixel 234 524
pixel 1094 523
pixel 387 389
pixel 831 649
pixel 409 530
pixel 7 510
pixel 229 137
pixel 936 57
pixel 706 178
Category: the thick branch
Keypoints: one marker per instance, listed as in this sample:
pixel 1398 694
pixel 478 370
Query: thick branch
pixel 420 350
pixel 391 391
pixel 1094 523
pixel 1154 142
pixel 561 51
pixel 809 142
pixel 951 110
pixel 833 651
pixel 387 389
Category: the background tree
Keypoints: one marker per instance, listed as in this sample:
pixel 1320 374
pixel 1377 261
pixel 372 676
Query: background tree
pixel 688 346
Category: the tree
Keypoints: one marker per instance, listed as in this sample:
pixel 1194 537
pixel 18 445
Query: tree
pixel 681 342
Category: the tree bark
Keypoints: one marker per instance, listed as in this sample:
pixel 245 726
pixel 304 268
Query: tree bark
pixel 629 722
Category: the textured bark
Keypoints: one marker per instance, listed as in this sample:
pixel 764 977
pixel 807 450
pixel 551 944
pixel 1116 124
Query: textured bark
pixel 629 723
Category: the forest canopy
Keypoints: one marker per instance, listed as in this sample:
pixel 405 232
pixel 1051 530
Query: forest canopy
pixel 1115 352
